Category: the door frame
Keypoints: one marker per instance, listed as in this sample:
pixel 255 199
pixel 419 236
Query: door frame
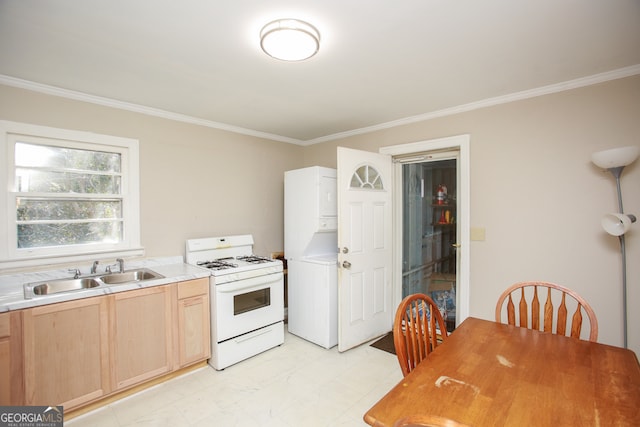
pixel 460 143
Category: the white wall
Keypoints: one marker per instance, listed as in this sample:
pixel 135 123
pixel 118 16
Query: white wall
pixel 539 197
pixel 194 181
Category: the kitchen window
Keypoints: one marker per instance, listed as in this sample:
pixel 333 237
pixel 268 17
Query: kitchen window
pixel 70 196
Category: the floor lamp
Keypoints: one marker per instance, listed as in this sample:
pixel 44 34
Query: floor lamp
pixel 616 224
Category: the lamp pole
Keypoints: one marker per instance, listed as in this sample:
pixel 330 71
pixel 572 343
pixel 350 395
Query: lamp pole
pixel 616 172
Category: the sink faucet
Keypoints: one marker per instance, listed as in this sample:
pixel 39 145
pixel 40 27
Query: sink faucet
pixel 94 267
pixel 76 272
pixel 119 264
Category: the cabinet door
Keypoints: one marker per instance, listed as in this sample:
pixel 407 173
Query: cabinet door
pixel 141 331
pixel 5 360
pixel 11 363
pixel 193 322
pixel 5 372
pixel 66 353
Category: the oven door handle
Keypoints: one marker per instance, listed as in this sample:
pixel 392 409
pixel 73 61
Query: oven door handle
pixel 254 282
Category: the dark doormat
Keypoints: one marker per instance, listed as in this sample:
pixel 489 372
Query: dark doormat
pixel 385 344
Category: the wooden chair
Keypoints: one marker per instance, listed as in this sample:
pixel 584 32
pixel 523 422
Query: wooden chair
pixel 529 316
pixel 427 421
pixel 417 330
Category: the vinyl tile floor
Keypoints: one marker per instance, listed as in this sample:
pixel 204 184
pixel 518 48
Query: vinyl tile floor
pixel 297 384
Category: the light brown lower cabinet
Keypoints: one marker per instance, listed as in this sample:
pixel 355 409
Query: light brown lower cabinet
pixel 5 359
pixel 193 322
pixel 77 352
pixel 11 360
pixel 66 352
pixel 141 346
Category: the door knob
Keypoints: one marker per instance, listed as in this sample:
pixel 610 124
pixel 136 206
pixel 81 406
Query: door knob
pixel 455 245
pixel 345 250
pixel 346 264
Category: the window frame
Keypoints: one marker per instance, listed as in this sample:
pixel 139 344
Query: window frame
pixel 13 257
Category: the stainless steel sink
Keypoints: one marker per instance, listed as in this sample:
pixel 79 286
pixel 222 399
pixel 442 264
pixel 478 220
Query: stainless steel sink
pixel 32 290
pixel 129 276
pixel 57 286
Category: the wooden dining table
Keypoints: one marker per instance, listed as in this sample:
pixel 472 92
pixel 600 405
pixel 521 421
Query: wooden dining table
pixel 490 374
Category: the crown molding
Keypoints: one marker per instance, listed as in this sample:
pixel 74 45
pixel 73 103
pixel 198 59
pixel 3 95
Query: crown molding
pixel 517 96
pixel 150 111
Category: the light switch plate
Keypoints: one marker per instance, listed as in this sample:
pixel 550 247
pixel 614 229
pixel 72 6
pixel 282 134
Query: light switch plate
pixel 477 234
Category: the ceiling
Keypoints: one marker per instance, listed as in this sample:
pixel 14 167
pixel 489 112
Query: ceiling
pixel 380 62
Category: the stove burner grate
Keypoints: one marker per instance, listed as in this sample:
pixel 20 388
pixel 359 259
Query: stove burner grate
pixel 253 259
pixel 218 264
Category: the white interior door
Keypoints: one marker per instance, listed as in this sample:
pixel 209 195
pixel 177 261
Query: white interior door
pixel 365 298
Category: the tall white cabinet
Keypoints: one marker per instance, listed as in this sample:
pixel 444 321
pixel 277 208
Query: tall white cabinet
pixel 310 247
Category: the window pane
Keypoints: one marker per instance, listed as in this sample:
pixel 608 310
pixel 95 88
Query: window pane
pixel 46 235
pixel 32 155
pixel 366 177
pixel 29 180
pixel 47 210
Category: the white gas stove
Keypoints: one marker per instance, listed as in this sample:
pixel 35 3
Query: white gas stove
pixel 247 297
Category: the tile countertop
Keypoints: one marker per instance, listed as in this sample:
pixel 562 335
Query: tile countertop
pixel 12 291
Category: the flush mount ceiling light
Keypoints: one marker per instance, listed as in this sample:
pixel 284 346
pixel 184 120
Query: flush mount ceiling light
pixel 290 39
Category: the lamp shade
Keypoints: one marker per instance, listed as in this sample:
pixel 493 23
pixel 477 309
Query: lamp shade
pixel 617 224
pixel 290 39
pixel 615 157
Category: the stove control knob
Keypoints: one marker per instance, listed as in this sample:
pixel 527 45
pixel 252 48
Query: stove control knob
pixel 346 264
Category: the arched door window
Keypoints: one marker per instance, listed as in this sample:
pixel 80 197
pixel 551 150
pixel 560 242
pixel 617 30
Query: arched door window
pixel 367 177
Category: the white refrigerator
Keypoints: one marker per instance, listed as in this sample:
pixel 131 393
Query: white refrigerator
pixel 310 247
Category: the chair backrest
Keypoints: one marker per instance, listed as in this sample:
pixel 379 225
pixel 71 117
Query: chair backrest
pixel 417 329
pixel 529 312
pixel 427 421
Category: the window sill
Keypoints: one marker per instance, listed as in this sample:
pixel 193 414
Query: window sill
pixel 7 265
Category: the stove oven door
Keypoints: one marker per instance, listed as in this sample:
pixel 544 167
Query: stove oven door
pixel 246 305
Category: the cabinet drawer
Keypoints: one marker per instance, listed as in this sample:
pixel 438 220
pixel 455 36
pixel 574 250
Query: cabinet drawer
pixel 4 325
pixel 192 288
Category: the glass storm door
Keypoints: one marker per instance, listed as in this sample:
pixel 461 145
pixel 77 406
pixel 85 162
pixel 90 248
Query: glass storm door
pixel 429 210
